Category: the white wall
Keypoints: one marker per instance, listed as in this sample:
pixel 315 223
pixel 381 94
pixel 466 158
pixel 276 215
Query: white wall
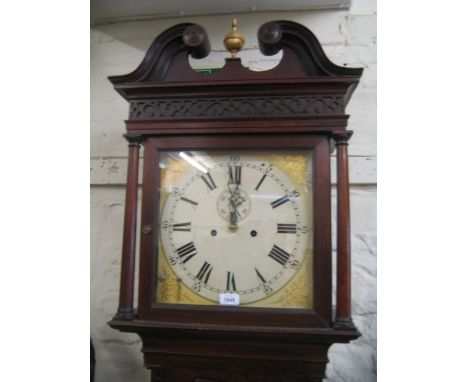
pixel 349 38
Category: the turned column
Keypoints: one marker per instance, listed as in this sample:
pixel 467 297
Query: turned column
pixel 343 317
pixel 127 276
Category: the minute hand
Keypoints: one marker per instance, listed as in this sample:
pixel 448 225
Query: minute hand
pixel 232 203
pixel 232 212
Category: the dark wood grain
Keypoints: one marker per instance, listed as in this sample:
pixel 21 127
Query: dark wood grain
pixel 299 104
pixel 343 281
pixel 126 310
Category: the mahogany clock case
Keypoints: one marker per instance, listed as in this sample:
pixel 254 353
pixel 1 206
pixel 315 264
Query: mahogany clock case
pixel 299 104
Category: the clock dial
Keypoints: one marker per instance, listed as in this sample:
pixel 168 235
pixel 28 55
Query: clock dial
pixel 234 224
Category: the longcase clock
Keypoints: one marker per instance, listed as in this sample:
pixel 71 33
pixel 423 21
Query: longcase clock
pixel 235 256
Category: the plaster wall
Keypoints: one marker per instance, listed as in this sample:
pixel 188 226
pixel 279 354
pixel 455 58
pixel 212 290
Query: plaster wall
pixel 349 38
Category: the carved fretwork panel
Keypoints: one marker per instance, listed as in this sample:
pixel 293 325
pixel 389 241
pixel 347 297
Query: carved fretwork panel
pixel 236 107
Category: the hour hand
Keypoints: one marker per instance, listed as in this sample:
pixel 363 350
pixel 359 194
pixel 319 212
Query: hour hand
pixel 232 215
pixel 230 177
pixel 232 211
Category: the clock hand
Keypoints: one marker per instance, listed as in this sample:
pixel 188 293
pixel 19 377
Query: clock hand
pixel 233 212
pixel 232 215
pixel 232 203
pixel 239 198
pixel 230 176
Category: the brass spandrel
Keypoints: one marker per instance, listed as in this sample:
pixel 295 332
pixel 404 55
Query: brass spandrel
pixel 295 166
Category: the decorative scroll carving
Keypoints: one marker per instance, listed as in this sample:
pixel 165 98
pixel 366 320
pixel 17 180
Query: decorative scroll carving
pixel 269 36
pixel 276 35
pixel 235 107
pixel 187 37
pixel 195 37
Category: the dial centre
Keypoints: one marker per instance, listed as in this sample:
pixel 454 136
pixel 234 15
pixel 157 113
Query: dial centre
pixel 233 200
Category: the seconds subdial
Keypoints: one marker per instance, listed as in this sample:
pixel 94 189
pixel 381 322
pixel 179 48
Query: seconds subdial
pixel 236 201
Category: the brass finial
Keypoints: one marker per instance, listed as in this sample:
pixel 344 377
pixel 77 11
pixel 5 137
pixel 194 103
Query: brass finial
pixel 234 41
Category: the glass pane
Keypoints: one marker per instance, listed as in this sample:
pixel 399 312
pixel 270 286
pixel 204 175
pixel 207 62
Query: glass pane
pixel 236 229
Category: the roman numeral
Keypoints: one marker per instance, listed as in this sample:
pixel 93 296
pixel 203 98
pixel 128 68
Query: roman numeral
pixel 295 194
pixel 279 255
pixel 186 252
pixel 280 201
pixel 235 174
pixel 182 227
pixel 209 181
pixel 230 283
pixel 204 273
pixel 286 228
pixel 259 275
pixel 189 201
pixel 238 174
pixel 260 183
